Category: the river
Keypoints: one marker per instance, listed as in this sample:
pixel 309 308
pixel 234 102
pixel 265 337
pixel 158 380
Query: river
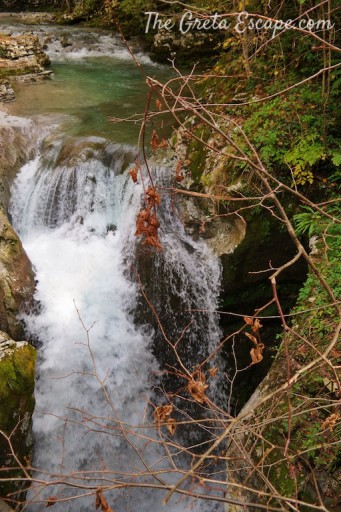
pixel 100 353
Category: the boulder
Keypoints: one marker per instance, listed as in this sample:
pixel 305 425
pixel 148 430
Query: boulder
pixel 17 369
pixel 21 55
pixel 16 279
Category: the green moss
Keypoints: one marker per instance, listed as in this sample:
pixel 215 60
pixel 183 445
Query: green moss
pixel 16 385
pixel 16 408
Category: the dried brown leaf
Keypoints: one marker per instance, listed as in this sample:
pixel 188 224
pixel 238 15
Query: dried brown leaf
pixel 248 320
pixel 153 241
pixel 162 412
pixel 142 222
pixel 252 338
pixel 154 141
pixel 163 143
pixel 133 173
pixel 153 221
pixel 256 325
pixel 213 371
pixel 331 421
pixel 52 500
pixel 153 197
pixel 197 387
pixel 171 426
pixel 101 502
pixel 158 104
pixel 257 353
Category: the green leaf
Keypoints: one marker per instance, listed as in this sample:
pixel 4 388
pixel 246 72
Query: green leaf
pixel 336 159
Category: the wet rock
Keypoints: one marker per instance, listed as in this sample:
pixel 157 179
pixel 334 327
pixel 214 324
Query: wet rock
pixel 17 144
pixel 7 345
pixel 6 92
pixel 21 55
pixel 17 369
pixel 34 77
pixel 17 283
pixel 222 234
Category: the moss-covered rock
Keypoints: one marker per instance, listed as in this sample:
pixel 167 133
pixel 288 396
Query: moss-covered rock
pixel 17 369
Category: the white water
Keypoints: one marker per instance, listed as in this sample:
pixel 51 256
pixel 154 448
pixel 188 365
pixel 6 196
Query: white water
pixel 82 44
pixel 67 43
pixel 77 222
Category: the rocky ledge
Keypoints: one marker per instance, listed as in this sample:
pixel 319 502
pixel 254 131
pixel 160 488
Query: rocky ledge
pixel 21 58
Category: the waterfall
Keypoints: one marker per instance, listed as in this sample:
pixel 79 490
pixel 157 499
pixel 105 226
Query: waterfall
pixel 74 207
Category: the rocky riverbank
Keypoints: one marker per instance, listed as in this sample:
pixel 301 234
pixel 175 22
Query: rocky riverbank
pixel 17 286
pixel 21 59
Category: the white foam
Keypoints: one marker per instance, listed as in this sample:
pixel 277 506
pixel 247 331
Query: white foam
pixel 63 214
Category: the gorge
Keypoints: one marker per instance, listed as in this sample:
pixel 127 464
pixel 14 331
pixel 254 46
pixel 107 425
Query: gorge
pixel 74 206
pixel 156 272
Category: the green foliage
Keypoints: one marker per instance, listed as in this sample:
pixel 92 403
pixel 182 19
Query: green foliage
pixel 305 153
pixel 290 132
pixel 320 321
pixel 313 222
pixel 336 157
pixel 308 222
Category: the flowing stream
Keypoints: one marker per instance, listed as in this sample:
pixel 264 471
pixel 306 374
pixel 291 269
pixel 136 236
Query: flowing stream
pixel 74 206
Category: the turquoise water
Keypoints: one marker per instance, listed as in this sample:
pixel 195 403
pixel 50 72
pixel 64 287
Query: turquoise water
pixel 91 90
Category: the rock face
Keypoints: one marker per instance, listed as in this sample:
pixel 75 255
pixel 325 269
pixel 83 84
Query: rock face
pixel 222 234
pixel 17 368
pixel 16 276
pixel 196 44
pixel 7 345
pixel 16 145
pixel 21 55
pixel 16 279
